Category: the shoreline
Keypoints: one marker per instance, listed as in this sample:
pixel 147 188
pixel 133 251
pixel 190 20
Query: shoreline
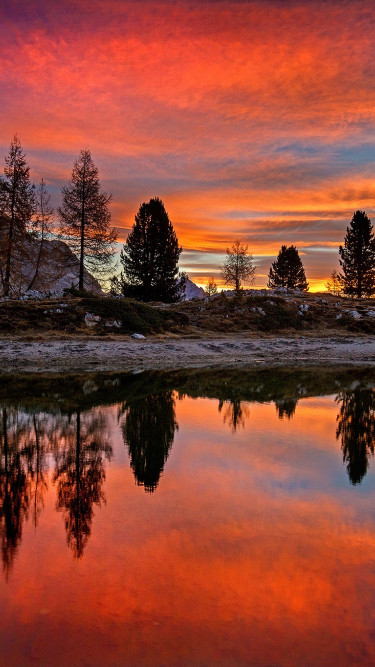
pixel 76 354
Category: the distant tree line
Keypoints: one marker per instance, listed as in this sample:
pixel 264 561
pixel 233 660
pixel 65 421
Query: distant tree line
pixel 149 258
pixel 357 261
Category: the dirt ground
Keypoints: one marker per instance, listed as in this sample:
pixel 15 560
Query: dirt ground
pixel 156 353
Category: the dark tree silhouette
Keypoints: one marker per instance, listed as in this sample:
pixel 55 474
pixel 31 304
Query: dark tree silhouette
pixel 85 219
pixel 356 428
pixel 286 407
pixel 15 488
pixel 80 475
pixel 287 271
pixel 238 266
pixel 17 207
pixel 150 257
pixel 23 481
pixel 148 429
pixel 358 257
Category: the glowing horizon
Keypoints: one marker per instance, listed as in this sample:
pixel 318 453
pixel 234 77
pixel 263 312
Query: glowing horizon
pixel 251 120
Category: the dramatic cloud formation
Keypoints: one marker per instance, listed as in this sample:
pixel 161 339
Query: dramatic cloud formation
pixel 251 120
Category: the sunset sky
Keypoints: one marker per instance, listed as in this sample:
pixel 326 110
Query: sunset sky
pixel 251 120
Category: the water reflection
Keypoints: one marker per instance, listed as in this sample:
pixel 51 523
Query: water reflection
pixel 286 407
pixel 235 413
pixel 64 438
pixel 356 429
pixel 80 475
pixel 148 427
pixel 22 477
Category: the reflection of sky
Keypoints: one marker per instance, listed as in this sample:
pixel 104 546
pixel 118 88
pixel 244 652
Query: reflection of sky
pixel 254 549
pixel 238 115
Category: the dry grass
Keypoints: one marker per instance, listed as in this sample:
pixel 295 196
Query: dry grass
pixel 311 314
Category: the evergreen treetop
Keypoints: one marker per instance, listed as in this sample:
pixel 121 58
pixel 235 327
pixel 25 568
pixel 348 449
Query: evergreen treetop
pixel 358 257
pixel 150 256
pixel 287 271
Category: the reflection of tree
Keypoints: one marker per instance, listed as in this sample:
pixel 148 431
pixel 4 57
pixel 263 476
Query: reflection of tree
pixel 35 449
pixel 21 465
pixel 356 427
pixel 286 407
pixel 14 488
pixel 80 474
pixel 148 429
pixel 234 413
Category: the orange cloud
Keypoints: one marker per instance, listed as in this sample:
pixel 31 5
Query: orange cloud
pixel 228 112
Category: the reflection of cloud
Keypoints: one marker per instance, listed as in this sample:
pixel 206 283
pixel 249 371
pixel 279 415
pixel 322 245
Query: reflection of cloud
pixel 280 552
pixel 228 112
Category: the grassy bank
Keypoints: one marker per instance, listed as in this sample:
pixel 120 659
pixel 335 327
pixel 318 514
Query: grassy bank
pixel 258 313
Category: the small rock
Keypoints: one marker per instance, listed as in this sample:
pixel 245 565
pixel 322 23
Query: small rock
pixel 91 320
pixel 354 313
pixel 138 336
pixel 281 290
pixel 113 323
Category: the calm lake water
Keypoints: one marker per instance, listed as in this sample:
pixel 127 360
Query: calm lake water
pixel 203 518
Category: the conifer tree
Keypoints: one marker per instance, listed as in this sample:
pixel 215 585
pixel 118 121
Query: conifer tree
pixel 287 271
pixel 85 219
pixel 17 207
pixel 150 256
pixel 358 257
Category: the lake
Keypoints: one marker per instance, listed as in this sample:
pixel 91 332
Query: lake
pixel 188 518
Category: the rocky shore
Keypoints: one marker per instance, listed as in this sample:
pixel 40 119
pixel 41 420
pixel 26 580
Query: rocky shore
pixel 80 354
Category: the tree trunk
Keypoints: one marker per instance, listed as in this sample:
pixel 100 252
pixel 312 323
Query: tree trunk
pixel 82 249
pixel 10 238
pixel 37 470
pixel 78 481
